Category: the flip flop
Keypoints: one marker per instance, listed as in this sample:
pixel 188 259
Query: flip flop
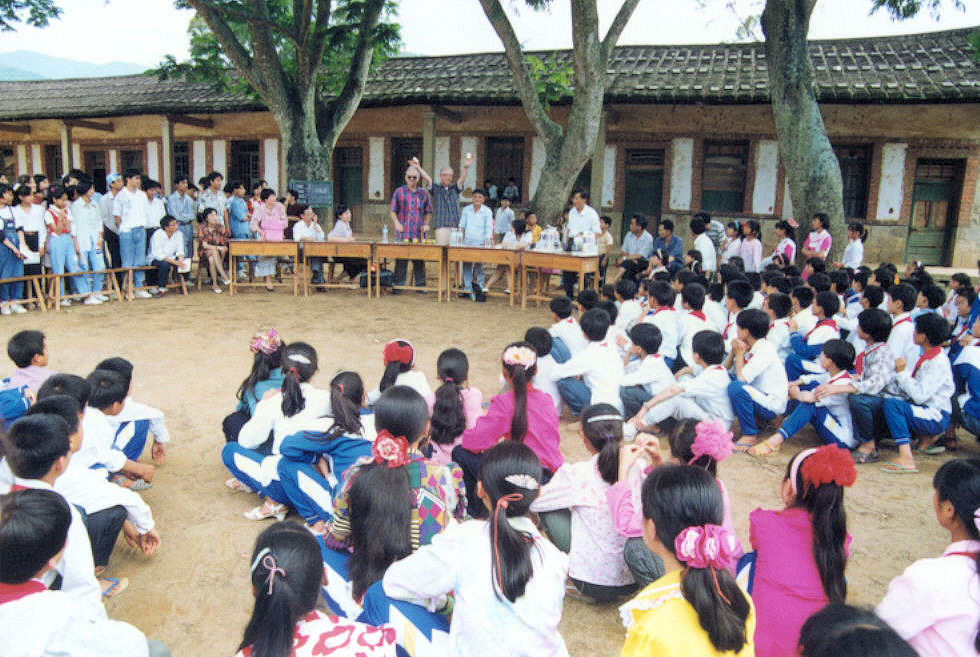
pixel 764 449
pixel 140 485
pixel 931 450
pixel 861 458
pixel 896 468
pixel 119 584
pixel 743 447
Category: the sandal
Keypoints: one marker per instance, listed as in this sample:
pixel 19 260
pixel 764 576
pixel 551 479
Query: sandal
pixel 743 447
pixel 236 485
pixel 896 468
pixel 265 511
pixel 764 449
pixel 116 586
pixel 931 450
pixel 862 458
pixel 136 485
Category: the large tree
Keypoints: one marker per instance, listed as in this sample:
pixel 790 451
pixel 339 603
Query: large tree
pixel 307 60
pixel 567 148
pixel 36 13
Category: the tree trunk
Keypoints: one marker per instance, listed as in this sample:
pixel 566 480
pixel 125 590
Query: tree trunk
pixel 811 167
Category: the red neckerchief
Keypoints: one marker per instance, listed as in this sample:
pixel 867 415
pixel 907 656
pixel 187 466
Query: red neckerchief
pixel 747 357
pixel 927 355
pixel 971 555
pixel 724 334
pixel 859 363
pixel 907 318
pixel 699 315
pixel 662 308
pixel 843 374
pixel 822 322
pixel 17 487
pixel 959 334
pixel 12 592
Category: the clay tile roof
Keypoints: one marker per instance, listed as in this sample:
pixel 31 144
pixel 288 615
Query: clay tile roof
pixel 929 67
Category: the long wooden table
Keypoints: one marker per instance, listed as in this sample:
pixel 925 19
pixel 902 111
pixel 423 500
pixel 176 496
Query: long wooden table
pixel 583 264
pixel 487 256
pixel 406 251
pixel 243 248
pixel 336 250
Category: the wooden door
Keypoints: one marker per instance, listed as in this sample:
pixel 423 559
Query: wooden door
pixel 402 150
pixel 644 186
pixel 935 197
pixel 347 181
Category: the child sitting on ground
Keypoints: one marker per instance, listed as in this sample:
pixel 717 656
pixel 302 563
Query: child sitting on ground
pixel 692 321
pixel 663 315
pixel 540 340
pixel 806 346
pixel 646 372
pixel 599 367
pixel 629 310
pixel 29 351
pixel 901 301
pixel 778 306
pixel 399 360
pixel 802 297
pixel 454 407
pixel 136 421
pixel 738 296
pixel 266 374
pixel 567 338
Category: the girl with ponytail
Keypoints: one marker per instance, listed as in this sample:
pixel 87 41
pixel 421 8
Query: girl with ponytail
pixel 399 360
pixel 801 551
pixel 573 510
pixel 286 575
pixel 522 413
pixel 454 407
pixel 696 608
pixel 253 460
pixel 935 603
pixel 508 579
pixel 266 347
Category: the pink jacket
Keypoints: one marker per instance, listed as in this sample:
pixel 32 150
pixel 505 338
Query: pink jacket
pixel 542 427
pixel 272 223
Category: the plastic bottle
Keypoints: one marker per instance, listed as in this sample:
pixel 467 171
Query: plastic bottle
pixel 384 234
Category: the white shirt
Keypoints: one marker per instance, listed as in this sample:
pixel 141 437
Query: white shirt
pixel 932 386
pixel 163 246
pixel 767 374
pixel 459 560
pixel 585 221
pixel 502 220
pixel 106 204
pixel 853 254
pixel 779 337
pixel 155 211
pixel 690 324
pixel 570 333
pixel 96 447
pixel 901 342
pixel 543 382
pixel 838 405
pixel 709 258
pixel 629 312
pixel 709 390
pixel 268 416
pixel 652 373
pixel 90 490
pixel 312 232
pixel 413 378
pixel 805 320
pixel 716 314
pixel 31 221
pixel 601 367
pixel 665 319
pixel 88 222
pixel 131 208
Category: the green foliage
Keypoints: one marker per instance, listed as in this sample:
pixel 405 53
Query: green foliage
pixel 975 42
pixel 36 13
pixel 902 9
pixel 552 78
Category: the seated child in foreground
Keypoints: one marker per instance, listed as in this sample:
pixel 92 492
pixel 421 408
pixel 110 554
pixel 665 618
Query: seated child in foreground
pixel 136 421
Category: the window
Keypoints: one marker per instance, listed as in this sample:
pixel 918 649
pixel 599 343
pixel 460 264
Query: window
pixel 855 168
pixel 131 160
pixel 182 160
pixel 53 164
pixel 723 176
pixel 402 150
pixel 505 159
pixel 95 166
pixel 244 164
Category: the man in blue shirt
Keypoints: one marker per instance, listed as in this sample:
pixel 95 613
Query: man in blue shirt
pixel 670 243
pixel 182 207
pixel 637 247
pixel 476 221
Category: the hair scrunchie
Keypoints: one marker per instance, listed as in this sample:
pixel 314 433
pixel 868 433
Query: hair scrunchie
pixel 392 450
pixel 398 353
pixel 828 465
pixel 711 439
pixel 268 342
pixel 707 546
pixel 516 355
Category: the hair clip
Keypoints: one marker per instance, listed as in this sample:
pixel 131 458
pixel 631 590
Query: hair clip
pixel 604 418
pixel 521 480
pixel 518 355
pixel 299 358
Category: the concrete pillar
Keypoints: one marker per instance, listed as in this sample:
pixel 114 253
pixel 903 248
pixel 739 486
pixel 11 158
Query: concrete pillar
pixel 598 166
pixel 22 167
pixel 65 149
pixel 429 142
pixel 167 152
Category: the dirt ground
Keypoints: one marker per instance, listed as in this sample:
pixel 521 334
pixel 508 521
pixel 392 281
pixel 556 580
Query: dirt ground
pixel 191 354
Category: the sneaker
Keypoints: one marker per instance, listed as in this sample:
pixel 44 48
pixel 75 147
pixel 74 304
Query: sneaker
pixel 142 294
pixel 17 309
pixel 91 301
pixel 5 310
pixel 101 297
pixel 65 303
pixel 161 291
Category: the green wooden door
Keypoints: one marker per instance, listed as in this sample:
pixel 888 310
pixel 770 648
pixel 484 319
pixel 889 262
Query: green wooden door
pixel 644 186
pixel 934 207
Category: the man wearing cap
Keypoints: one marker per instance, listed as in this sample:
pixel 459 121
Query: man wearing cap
pixel 181 206
pixel 111 233
pixel 445 198
pixel 410 214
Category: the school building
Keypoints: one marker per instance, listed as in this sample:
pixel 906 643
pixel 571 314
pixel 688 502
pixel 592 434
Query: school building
pixel 685 128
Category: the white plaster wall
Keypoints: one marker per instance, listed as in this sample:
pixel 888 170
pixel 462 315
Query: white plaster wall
pixel 376 168
pixel 787 202
pixel 76 156
pixel 891 190
pixel 468 145
pixel 153 160
pixel 766 178
pixel 36 158
pixel 442 157
pixel 538 157
pixel 219 161
pixel 681 172
pixel 609 177
pixel 270 165
pixel 198 160
pixel 22 168
pixel 114 161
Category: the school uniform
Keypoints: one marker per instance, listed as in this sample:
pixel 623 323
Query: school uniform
pixel 133 426
pixel 853 254
pixel 542 379
pixel 691 322
pixel 960 328
pixel 779 337
pixel 875 369
pixel 928 389
pixel 601 369
pixel 642 381
pixel 806 348
pixel 716 314
pixel 629 314
pixel 96 450
pixel 665 319
pixel 830 416
pixel 702 397
pixel 413 378
pixel 763 392
pixel 805 320
pixel 730 331
pixel 900 340
pixel 567 339
pixel 966 368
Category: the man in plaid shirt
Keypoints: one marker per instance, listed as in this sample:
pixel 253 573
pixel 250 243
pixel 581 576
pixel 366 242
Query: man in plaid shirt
pixel 411 210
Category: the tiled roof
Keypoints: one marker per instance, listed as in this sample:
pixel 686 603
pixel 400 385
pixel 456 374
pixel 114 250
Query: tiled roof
pixel 929 67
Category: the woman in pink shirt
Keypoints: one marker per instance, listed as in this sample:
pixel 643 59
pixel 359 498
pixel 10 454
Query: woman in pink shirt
pixel 935 603
pixel 819 241
pixel 269 223
pixel 523 413
pixel 801 551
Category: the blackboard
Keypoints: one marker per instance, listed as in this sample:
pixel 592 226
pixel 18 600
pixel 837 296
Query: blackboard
pixel 318 193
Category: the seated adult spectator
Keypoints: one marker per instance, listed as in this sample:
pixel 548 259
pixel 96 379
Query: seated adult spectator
pixel 213 248
pixel 308 229
pixel 167 251
pixel 637 247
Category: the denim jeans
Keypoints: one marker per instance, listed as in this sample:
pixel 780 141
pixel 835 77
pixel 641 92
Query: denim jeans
pixel 93 261
pixel 575 394
pixel 63 258
pixel 187 232
pixel 10 267
pixel 132 247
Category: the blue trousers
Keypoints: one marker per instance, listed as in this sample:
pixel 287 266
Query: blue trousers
pixel 337 591
pixel 187 232
pixel 401 272
pixel 94 262
pixel 574 393
pixel 559 350
pixel 469 269
pixel 63 258
pixel 828 427
pixel 415 626
pixel 245 464
pixel 131 438
pixel 132 250
pixel 10 267
pixel 867 412
pixel 746 408
pixel 308 492
pixel 906 420
pixel 797 366
pixel 965 420
pixel 634 397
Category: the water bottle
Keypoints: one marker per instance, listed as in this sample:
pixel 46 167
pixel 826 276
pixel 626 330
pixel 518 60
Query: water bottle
pixel 556 245
pixel 384 234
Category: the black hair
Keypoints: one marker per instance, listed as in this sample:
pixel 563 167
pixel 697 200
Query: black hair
pixel 787 228
pixel 829 302
pixel 211 177
pixel 840 630
pixel 709 345
pixel 876 323
pixel 23 346
pixel 519 226
pixel 583 193
pixel 120 366
pixel 967 293
pixel 676 497
pixel 338 210
pixel 875 295
pixel 903 293
pixel 231 186
pixel 667 224
pixel 640 220
pixel 448 419
pixel 181 178
pixel 693 295
pixel 166 220
pixel 754 279
pixel 685 276
pixel 262 365
pixel 934 327
pixel 380 509
pixel 646 336
pixel 823 219
pixel 663 293
pixel 82 187
pixel 521 377
pixel 819 281
pixel 740 292
pixel 346 396
pixel 595 323
pixel 681 441
pixel 266 193
pixel 825 506
pixel 697 225
pixel 33 528
pixel 803 294
pixel 780 304
pixel 840 353
pixel 610 308
pixel 24 191
pixel 299 364
pixel 817 264
pixel 33 444
pixel 539 338
pixel 884 276
pixel 66 384
pixel 130 173
pixel 587 299
pixel 961 278
pixel 737 263
pixel 149 183
pixel 859 228
pixel 934 295
pixel 716 291
pixel 286 582
pixel 626 289
pixel 606 219
pixel 561 306
pixel 107 388
pixel 840 280
pixel 510 471
pixel 861 278
pixel 660 255
pixel 64 406
pixel 606 436
pixel 753 226
pixel 394 368
pixel 755 321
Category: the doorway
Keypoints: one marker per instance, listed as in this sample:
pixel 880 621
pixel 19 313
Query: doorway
pixel 644 186
pixel 403 150
pixel 935 204
pixel 96 166
pixel 347 181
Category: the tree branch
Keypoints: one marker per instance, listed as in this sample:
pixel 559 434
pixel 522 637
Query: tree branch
pixel 536 113
pixel 318 40
pixel 266 56
pixel 616 29
pixel 251 19
pixel 233 48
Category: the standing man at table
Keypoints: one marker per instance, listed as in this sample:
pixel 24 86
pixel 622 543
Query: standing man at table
pixel 445 197
pixel 582 219
pixel 410 214
pixel 477 224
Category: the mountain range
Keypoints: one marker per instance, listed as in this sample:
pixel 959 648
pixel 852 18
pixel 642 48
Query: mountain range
pixel 30 65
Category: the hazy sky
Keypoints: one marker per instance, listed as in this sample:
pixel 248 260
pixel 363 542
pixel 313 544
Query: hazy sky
pixel 143 31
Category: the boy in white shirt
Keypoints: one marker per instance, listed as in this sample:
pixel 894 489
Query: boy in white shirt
pixel 807 346
pixel 664 317
pixel 714 307
pixel 646 372
pixel 760 387
pixel 592 376
pixel 136 421
pixel 802 297
pixel 738 296
pixel 703 396
pixel 901 342
pixel 567 337
pixel 693 321
pixel 540 339
pixel 703 243
pixel 778 307
pixel 630 309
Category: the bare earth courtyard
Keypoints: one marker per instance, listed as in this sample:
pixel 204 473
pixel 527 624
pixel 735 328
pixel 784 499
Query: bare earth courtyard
pixel 191 354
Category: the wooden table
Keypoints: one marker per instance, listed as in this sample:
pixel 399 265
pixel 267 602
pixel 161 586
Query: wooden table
pixel 561 260
pixel 336 250
pixel 484 255
pixel 242 248
pixel 404 251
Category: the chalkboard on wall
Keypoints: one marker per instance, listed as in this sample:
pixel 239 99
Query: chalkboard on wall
pixel 318 193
